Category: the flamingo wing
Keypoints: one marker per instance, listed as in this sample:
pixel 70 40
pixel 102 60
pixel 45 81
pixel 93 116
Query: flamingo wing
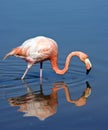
pixel 39 48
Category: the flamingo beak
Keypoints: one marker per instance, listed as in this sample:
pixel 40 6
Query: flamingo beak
pixel 88 65
pixel 87 91
pixel 87 71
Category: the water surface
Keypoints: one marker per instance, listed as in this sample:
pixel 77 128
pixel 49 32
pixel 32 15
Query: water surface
pixel 75 25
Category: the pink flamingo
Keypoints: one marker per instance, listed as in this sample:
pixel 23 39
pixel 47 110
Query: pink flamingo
pixel 42 48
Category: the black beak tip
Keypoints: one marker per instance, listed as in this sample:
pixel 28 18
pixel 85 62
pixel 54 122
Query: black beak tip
pixel 87 84
pixel 87 72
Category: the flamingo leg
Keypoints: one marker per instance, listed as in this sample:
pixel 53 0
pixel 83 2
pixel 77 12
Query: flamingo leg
pixel 40 69
pixel 27 69
pixel 41 77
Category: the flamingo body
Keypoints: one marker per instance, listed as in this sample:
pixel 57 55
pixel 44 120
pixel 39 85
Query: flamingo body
pixel 42 48
pixel 37 49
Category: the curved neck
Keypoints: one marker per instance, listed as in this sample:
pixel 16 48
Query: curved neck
pixel 54 62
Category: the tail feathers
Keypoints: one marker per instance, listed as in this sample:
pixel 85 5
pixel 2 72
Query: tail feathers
pixel 17 52
pixel 8 55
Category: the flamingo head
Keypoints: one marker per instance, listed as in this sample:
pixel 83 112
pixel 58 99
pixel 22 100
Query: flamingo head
pixel 84 58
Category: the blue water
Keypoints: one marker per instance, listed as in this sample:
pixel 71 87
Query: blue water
pixel 75 25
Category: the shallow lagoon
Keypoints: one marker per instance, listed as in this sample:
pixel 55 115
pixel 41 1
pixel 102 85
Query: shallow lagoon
pixel 75 25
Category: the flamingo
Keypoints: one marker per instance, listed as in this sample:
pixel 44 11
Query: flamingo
pixel 41 48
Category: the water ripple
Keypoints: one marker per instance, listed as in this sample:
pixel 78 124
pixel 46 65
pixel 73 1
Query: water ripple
pixel 12 69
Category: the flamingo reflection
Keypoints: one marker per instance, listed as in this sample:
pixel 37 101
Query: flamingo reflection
pixel 36 103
